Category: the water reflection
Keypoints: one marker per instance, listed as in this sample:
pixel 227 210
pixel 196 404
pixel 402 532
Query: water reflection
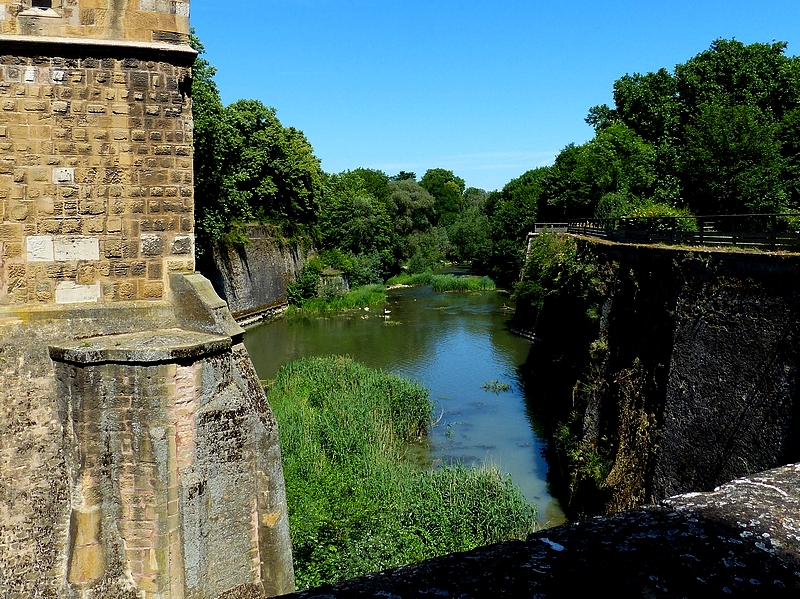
pixel 455 344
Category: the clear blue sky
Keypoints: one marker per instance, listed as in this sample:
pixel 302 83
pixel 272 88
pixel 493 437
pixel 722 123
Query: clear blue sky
pixel 487 89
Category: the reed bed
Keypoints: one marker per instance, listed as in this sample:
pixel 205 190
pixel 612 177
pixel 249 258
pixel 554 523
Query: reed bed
pixel 462 284
pixel 444 282
pixel 360 297
pixel 355 505
pixel 414 280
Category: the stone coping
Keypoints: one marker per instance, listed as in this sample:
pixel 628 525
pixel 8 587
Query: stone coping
pixel 59 46
pixel 159 311
pixel 144 347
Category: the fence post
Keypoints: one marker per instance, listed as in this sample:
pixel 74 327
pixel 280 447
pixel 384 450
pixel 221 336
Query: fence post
pixel 773 229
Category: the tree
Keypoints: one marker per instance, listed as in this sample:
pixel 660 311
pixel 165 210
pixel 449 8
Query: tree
pixel 376 183
pixel 732 162
pixel 247 165
pixel 211 219
pixel 512 213
pixel 720 126
pixel 616 161
pixel 447 190
pixel 403 175
pixel 474 198
pixel 471 237
pixel 352 220
pixel 411 207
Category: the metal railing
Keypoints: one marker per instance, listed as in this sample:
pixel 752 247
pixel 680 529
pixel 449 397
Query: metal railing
pixel 773 231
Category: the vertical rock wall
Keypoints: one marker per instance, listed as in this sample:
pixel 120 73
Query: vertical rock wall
pixel 253 277
pixel 690 377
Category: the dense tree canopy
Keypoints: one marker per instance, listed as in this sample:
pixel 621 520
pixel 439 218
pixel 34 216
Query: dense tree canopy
pixel 719 133
pixel 721 127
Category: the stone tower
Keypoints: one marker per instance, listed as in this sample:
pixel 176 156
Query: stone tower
pixel 95 149
pixel 139 457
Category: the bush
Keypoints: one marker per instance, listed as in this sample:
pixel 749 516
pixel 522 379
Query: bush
pixel 305 287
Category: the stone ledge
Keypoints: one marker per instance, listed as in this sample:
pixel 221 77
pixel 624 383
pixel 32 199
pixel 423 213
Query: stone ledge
pixel 145 347
pixel 741 540
pixel 58 46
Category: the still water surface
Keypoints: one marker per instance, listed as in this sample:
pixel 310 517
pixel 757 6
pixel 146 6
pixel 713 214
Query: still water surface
pixel 453 343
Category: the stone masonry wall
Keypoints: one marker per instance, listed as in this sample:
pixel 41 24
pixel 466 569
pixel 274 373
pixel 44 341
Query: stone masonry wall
pixel 138 20
pixel 154 474
pixel 95 179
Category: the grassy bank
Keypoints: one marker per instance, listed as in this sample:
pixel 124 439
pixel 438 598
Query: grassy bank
pixel 367 295
pixel 355 505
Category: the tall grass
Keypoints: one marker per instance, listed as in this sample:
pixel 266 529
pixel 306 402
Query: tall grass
pixel 366 295
pixel 454 283
pixel 443 282
pixel 355 505
pixel 404 278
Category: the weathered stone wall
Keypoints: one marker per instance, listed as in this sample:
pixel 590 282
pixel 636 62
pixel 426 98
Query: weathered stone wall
pixel 253 277
pixel 95 178
pixel 138 455
pixel 137 462
pixel 139 20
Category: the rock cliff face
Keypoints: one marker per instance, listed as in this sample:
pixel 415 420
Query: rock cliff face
pixel 253 277
pixel 688 377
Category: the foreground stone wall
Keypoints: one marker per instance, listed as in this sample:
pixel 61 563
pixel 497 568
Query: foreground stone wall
pixel 95 176
pixel 253 277
pixel 740 540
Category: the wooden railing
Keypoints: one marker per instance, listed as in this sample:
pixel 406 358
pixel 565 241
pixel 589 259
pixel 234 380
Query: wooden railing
pixel 772 231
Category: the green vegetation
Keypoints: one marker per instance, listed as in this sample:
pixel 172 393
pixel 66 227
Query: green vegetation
pixel 556 269
pixel 355 505
pixel 454 283
pixel 496 387
pixel 443 282
pixel 248 166
pixel 360 297
pixel 719 134
pixel 414 280
pixel 585 461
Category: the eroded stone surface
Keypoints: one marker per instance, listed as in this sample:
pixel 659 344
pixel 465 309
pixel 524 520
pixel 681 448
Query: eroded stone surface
pixel 141 347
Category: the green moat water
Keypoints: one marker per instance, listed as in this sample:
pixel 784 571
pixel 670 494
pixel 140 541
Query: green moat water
pixel 453 343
